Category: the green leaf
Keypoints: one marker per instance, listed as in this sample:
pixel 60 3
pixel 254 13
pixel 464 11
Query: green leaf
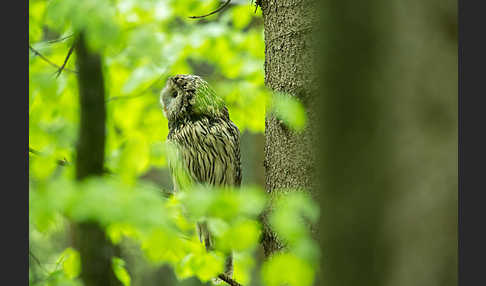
pixel 243 263
pixel 42 166
pixel 243 235
pixel 117 230
pixel 287 269
pixel 120 272
pixel 291 111
pixel 241 16
pixel 226 203
pixel 71 262
pixel 292 216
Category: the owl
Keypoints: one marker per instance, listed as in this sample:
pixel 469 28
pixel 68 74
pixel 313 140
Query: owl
pixel 206 140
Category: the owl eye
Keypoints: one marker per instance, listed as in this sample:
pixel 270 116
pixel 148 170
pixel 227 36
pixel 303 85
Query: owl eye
pixel 174 94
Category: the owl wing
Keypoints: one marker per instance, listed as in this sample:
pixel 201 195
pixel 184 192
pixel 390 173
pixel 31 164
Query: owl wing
pixel 209 151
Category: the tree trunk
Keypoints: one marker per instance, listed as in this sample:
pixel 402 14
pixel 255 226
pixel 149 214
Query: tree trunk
pixel 388 111
pixel 289 155
pixel 95 249
pixel 388 204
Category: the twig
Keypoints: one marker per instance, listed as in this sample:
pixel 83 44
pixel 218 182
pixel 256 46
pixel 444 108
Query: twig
pixel 228 280
pixel 257 3
pixel 136 95
pixel 47 60
pixel 59 71
pixel 62 162
pixel 214 12
pixel 31 254
pixel 59 39
pixel 33 151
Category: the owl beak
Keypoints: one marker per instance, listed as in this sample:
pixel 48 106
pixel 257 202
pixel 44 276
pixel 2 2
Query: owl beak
pixel 164 109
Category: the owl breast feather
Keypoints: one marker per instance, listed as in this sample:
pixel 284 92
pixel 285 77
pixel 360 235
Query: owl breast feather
pixel 208 150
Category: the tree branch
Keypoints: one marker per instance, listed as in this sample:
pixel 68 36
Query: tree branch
pixel 228 280
pixel 59 39
pixel 214 12
pixel 47 60
pixel 59 71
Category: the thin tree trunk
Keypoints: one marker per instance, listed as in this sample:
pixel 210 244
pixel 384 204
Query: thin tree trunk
pixel 289 155
pixel 95 249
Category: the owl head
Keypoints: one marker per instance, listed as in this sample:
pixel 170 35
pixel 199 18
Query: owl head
pixel 186 96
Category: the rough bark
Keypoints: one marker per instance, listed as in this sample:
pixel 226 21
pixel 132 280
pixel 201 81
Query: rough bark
pixel 289 156
pixel 95 249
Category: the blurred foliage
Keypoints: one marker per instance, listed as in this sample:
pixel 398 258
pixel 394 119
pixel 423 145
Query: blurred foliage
pixel 120 271
pixel 142 43
pixel 291 219
pixel 289 110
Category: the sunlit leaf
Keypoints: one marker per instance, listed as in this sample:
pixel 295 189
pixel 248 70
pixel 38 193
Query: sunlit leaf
pixel 241 16
pixel 287 269
pixel 243 235
pixel 293 214
pixel 288 109
pixel 71 262
pixel 243 263
pixel 120 272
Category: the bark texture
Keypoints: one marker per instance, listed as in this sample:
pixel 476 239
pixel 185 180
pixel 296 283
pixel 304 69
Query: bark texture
pixel 289 61
pixel 95 249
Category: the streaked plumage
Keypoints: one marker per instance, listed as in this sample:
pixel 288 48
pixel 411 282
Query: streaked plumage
pixel 210 150
pixel 207 142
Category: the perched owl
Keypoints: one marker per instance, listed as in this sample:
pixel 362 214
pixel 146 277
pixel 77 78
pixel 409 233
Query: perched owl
pixel 207 142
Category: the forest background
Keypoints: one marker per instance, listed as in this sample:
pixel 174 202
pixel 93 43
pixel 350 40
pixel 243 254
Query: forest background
pixel 397 61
